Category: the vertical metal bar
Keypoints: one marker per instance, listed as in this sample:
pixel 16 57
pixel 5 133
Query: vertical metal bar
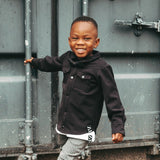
pixel 85 7
pixel 28 121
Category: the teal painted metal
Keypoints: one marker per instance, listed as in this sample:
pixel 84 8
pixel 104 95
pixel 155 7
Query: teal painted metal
pixel 28 120
pixel 14 115
pixel 114 38
pixel 43 101
pixel 135 62
pixel 12 100
pixel 85 7
pixel 13 27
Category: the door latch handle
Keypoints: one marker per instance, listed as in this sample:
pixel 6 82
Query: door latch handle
pixel 138 24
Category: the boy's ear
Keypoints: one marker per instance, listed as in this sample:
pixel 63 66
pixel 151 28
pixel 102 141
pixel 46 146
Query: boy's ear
pixel 97 42
pixel 69 40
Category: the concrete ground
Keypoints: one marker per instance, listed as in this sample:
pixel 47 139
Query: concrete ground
pixel 114 154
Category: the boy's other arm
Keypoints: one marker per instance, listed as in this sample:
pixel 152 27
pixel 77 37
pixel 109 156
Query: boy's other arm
pixel 117 137
pixel 114 106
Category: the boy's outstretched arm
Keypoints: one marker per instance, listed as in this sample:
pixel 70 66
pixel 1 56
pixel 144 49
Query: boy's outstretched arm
pixel 28 60
pixel 46 64
pixel 117 137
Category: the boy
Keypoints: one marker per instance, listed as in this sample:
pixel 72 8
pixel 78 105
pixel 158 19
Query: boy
pixel 88 81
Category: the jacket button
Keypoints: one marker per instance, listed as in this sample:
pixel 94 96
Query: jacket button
pixel 72 77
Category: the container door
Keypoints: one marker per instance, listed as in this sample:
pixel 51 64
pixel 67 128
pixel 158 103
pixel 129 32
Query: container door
pixel 12 76
pixel 12 73
pixel 133 52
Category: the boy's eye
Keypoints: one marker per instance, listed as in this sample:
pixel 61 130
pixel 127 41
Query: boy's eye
pixel 74 38
pixel 87 38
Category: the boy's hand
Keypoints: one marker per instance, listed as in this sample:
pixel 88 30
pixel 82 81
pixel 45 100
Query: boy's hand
pixel 117 137
pixel 28 60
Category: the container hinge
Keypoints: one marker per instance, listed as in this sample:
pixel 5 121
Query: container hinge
pixel 28 157
pixel 157 125
pixel 138 24
pixel 156 148
pixel 21 132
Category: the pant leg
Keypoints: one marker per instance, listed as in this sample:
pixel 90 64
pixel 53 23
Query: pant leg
pixel 61 140
pixel 72 149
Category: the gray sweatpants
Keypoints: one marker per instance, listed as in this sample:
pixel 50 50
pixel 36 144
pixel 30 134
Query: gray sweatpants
pixel 72 148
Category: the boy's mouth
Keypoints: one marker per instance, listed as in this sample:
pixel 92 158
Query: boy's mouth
pixel 80 49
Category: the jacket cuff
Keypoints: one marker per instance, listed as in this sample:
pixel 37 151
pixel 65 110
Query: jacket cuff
pixel 118 128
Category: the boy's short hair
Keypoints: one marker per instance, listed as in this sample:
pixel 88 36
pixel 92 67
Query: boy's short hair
pixel 85 19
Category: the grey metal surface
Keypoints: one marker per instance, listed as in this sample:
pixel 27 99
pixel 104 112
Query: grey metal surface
pixel 12 28
pixel 114 38
pixel 135 62
pixel 12 76
pixel 43 89
pixel 122 40
pixel 11 99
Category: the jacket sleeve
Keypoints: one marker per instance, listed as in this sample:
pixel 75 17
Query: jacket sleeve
pixel 48 64
pixel 113 103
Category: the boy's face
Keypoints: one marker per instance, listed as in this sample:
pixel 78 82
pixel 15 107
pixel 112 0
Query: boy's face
pixel 83 39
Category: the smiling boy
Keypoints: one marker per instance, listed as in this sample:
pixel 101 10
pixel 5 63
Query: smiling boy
pixel 83 39
pixel 88 81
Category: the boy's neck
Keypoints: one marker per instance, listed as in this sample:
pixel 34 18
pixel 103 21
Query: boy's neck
pixel 80 58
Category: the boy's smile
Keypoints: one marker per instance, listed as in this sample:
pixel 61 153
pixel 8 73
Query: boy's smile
pixel 83 38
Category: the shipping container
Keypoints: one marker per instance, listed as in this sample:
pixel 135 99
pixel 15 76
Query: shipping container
pixel 129 42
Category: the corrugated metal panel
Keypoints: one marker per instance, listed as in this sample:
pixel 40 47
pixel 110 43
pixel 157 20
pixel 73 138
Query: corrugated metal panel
pixel 135 62
pixel 12 76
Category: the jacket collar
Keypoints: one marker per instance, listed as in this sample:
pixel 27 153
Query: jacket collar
pixel 82 62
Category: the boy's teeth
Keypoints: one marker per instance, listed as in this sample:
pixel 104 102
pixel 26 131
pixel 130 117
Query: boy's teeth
pixel 80 49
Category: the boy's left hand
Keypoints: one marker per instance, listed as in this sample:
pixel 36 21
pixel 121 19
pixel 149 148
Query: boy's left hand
pixel 28 60
pixel 117 137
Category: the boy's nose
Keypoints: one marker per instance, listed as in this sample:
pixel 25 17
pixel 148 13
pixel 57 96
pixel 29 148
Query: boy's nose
pixel 80 41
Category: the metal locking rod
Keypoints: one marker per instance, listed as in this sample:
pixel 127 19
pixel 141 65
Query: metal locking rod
pixel 28 155
pixel 28 121
pixel 85 7
pixel 138 24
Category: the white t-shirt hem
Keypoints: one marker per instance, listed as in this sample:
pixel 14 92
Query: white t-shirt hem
pixel 90 136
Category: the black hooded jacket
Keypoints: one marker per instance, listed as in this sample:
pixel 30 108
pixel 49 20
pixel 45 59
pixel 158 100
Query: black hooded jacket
pixel 87 83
